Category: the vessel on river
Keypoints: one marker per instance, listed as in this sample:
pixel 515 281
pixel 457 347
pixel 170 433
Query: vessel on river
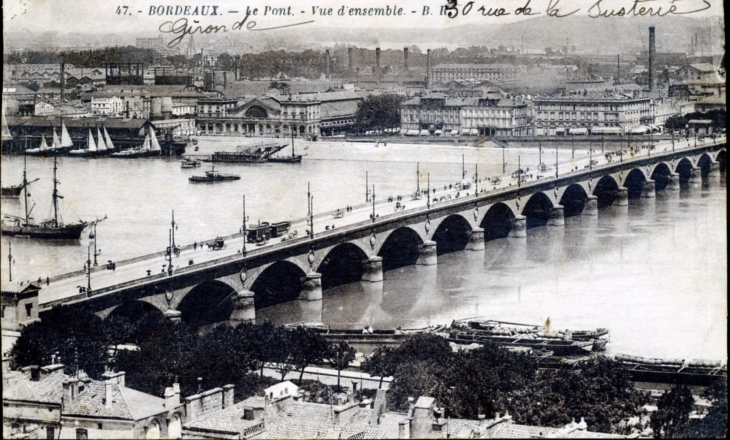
pixel 150 147
pixel 566 343
pixel 52 228
pixel 294 158
pixel 190 163
pixel 58 146
pixel 13 191
pixel 213 176
pixel 249 153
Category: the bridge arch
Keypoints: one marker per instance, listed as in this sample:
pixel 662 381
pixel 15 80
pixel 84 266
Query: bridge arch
pixel 722 159
pixel 130 318
pixel 497 221
pixel 537 210
pixel 605 191
pixel 684 169
pixel 634 182
pixel 206 304
pixel 452 234
pixel 342 265
pixel 704 163
pixel 661 175
pixel 573 200
pixel 400 248
pixel 279 282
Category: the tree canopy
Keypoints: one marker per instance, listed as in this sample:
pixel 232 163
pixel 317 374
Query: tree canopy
pixel 378 112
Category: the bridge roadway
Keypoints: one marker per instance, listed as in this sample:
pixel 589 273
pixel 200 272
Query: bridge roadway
pixel 196 265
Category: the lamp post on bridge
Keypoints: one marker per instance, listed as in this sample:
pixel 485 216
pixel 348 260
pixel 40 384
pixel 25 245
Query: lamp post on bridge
pixel 367 188
pixel 310 208
pixel 556 162
pixel 373 203
pixel 243 233
pixel 10 261
pixel 88 270
pixel 174 226
pixel 572 145
pixel 169 254
pixel 519 173
pixel 476 180
pixel 96 253
pixel 428 190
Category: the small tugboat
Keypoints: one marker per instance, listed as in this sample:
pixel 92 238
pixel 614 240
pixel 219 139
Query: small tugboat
pixel 190 163
pixel 213 176
pixel 48 229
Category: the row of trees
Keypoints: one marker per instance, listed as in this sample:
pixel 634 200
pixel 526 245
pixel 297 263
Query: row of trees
pixel 718 118
pixel 167 352
pixel 492 379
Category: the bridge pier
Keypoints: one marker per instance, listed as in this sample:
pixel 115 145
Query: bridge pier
pixel 174 316
pixel 714 175
pixel 373 269
pixel 311 287
pixel 557 217
pixel 476 240
pixel 428 254
pixel 649 190
pixel 695 177
pixel 672 183
pixel 244 308
pixel 591 206
pixel 622 197
pixel 519 227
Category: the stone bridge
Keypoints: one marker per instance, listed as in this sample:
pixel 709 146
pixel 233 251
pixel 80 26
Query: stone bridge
pixel 232 288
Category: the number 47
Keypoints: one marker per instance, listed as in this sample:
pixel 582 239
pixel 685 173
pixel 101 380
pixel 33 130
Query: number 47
pixel 122 10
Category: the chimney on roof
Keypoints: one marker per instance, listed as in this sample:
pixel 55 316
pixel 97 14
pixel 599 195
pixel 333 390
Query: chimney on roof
pixel 405 59
pixel 652 54
pixel 116 377
pixel 108 393
pixel 70 390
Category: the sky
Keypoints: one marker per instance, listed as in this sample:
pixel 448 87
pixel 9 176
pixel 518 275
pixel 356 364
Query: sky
pixel 103 16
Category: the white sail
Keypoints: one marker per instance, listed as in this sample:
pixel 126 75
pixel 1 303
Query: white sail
pixel 155 145
pixel 44 145
pixel 65 138
pixel 109 144
pixel 56 143
pixel 91 146
pixel 6 136
pixel 146 144
pixel 100 146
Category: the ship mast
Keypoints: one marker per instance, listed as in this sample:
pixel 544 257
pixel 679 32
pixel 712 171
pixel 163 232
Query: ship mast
pixel 55 192
pixel 25 182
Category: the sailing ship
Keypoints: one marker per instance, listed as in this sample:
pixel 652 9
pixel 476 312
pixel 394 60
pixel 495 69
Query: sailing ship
pixel 294 158
pixel 150 147
pixel 52 228
pixel 13 191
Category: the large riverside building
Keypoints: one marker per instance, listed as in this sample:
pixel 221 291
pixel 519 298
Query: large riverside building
pixel 605 114
pixel 307 114
pixel 436 114
pixel 449 72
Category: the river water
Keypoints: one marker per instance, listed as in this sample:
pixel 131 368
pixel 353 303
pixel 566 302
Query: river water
pixel 656 276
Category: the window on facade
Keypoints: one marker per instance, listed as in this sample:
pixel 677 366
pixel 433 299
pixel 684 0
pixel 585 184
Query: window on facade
pixel 82 434
pixel 28 309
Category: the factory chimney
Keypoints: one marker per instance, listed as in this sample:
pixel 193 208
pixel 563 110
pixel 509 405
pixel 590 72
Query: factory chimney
pixel 377 60
pixel 618 66
pixel 652 54
pixel 349 58
pixel 405 59
pixel 428 69
pixel 327 71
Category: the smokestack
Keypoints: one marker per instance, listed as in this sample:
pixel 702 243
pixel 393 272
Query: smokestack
pixel 405 59
pixel 225 79
pixel 327 55
pixel 349 58
pixel 377 59
pixel 238 68
pixel 618 65
pixel 652 54
pixel 61 78
pixel 428 69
